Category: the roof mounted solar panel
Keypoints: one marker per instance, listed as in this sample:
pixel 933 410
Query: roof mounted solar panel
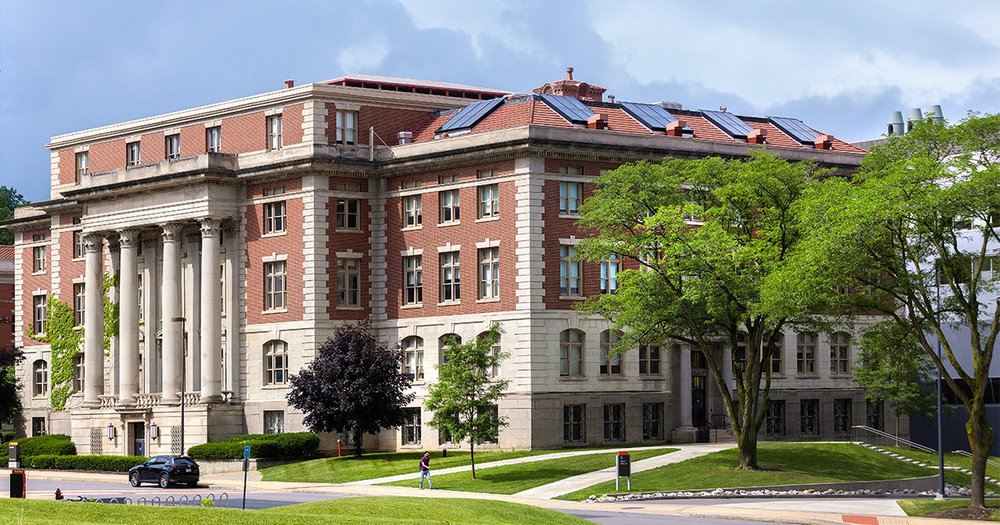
pixel 652 116
pixel 795 128
pixel 729 123
pixel 470 115
pixel 568 108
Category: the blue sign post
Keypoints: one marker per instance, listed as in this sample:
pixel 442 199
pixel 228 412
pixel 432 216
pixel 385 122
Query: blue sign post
pixel 246 452
pixel 246 467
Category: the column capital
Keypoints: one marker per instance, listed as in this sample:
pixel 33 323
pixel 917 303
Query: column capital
pixel 128 238
pixel 210 226
pixel 92 242
pixel 171 231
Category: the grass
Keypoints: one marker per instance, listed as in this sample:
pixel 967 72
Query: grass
pixel 923 507
pixel 348 511
pixel 950 459
pixel 512 479
pixel 781 463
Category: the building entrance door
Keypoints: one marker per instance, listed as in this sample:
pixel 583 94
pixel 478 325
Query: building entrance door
pixel 698 401
pixel 138 438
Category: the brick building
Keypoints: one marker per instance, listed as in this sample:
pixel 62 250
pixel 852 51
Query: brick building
pixel 243 232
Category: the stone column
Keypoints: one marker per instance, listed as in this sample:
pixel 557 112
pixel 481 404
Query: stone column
pixel 684 386
pixel 211 322
pixel 128 319
pixel 93 321
pixel 170 300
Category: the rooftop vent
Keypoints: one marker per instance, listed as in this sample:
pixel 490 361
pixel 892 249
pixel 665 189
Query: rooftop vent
pixel 895 125
pixel 289 83
pixel 404 137
pixel 912 116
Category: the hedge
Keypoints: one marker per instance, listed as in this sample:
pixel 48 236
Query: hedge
pixel 53 444
pixel 85 462
pixel 6 436
pixel 272 446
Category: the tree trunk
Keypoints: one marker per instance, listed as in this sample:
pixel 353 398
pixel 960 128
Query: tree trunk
pixel 472 458
pixel 748 450
pixel 357 443
pixel 980 439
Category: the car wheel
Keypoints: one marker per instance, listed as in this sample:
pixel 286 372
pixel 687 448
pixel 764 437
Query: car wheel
pixel 164 480
pixel 133 479
pixel 193 484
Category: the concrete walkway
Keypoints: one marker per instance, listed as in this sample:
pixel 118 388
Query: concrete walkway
pixel 582 481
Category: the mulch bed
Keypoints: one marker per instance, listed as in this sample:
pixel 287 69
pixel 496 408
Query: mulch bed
pixel 964 513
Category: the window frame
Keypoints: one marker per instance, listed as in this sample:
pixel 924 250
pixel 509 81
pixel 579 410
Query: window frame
pixel 652 421
pixel 79 251
pixel 645 358
pixel 275 363
pixel 450 276
pixel 275 274
pixel 805 353
pixel 412 425
pixel 774 419
pixel 413 214
pixel 809 419
pixel 172 146
pixel 348 282
pixel 570 272
pixel 610 365
pixel 488 197
pixel 571 351
pixel 133 154
pixel 82 159
pixel 276 425
pixel 614 422
pixel 213 139
pixel 575 423
pixel 275 132
pixel 413 280
pixel 449 202
pixel 275 217
pixel 840 354
pixel 346 134
pixel 39 259
pixel 345 215
pixel 79 372
pixel 489 273
pixel 843 419
pixel 40 378
pixel 609 274
pixel 79 304
pixel 39 306
pixel 413 358
pixel 570 197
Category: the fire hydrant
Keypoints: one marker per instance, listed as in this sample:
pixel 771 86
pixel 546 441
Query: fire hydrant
pixel 338 448
pixel 59 494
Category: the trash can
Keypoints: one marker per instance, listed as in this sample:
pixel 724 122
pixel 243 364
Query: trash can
pixel 13 455
pixel 18 483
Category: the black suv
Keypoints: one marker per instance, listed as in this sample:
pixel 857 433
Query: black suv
pixel 165 470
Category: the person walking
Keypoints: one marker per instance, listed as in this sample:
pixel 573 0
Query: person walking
pixel 425 470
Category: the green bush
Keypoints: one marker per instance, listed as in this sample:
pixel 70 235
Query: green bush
pixel 6 436
pixel 272 446
pixel 53 444
pixel 85 462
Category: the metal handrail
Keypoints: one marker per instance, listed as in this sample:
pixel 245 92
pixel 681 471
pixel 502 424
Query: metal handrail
pixel 968 454
pixel 897 439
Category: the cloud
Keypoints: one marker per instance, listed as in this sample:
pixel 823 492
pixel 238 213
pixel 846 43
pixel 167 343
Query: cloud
pixel 363 57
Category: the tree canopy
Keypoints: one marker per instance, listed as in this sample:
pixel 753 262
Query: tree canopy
pixel 354 385
pixel 9 199
pixel 10 400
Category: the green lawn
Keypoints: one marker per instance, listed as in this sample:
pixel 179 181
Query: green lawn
pixel 951 460
pixel 781 463
pixel 515 478
pixel 923 507
pixel 348 511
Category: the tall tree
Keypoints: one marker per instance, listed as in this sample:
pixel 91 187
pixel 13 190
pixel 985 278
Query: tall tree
pixel 10 401
pixel 706 234
pixel 464 399
pixel 9 199
pixel 915 231
pixel 354 385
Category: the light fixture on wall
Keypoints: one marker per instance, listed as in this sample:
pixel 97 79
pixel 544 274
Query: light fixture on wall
pixel 112 432
pixel 154 431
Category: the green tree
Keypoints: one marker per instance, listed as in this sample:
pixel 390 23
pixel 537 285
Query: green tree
pixel 892 367
pixel 10 401
pixel 914 231
pixel 464 399
pixel 9 199
pixel 706 235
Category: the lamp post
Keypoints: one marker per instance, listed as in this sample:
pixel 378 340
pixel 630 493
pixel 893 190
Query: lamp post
pixel 182 321
pixel 940 414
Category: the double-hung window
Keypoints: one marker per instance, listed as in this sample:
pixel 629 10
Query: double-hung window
pixel 347 127
pixel 450 277
pixel 611 363
pixel 489 201
pixel 806 354
pixel 609 274
pixel 449 206
pixel 571 353
pixel 275 363
pixel 82 165
pixel 41 373
pixel 348 282
pixel 649 360
pixel 840 353
pixel 38 259
pixel 132 154
pixel 347 214
pixel 489 273
pixel 274 285
pixel 213 139
pixel 413 280
pixel 274 421
pixel 79 303
pixel 274 217
pixel 569 271
pixel 274 140
pixel 172 147
pixel 570 196
pixel 412 211
pixel 411 426
pixel 78 252
pixel 38 322
pixel 413 356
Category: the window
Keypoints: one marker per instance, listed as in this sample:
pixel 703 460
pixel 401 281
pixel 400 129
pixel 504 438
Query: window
pixel 609 274
pixel 412 211
pixel 571 170
pixel 347 214
pixel 132 154
pixel 649 360
pixel 274 132
pixel 41 376
pixel 172 147
pixel 411 426
pixel 570 194
pixel 614 422
pixel 413 358
pixel 571 353
pixel 275 363
pixel 274 217
pixel 575 423
pixel 79 303
pixel 775 419
pixel 486 174
pixel 38 323
pixel 413 280
pixel 777 353
pixel 806 354
pixel 444 342
pixel 447 179
pixel 274 421
pixel 840 352
pixel 698 359
pixel 78 251
pixel 449 206
pixel 569 271
pixel 37 426
pixel 213 139
pixel 495 353
pixel 79 372
pixel 652 421
pixel 450 277
pixel 274 285
pixel 610 364
pixel 347 127
pixel 842 416
pixel 489 273
pixel 138 287
pixel 874 414
pixel 489 201
pixel 38 259
pixel 348 282
pixel 82 164
pixel 809 416
pixel 410 184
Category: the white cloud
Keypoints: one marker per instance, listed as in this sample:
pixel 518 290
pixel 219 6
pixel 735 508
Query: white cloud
pixel 497 20
pixel 363 57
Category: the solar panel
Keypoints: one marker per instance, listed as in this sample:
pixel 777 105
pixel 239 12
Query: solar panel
pixel 650 115
pixel 795 128
pixel 729 123
pixel 568 108
pixel 470 115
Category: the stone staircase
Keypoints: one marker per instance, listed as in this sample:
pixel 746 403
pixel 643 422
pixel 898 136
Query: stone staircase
pixel 921 463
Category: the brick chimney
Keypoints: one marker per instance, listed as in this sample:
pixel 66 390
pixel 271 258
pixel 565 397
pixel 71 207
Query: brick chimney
pixel 823 142
pixel 572 88
pixel 676 128
pixel 289 83
pixel 757 136
pixel 597 120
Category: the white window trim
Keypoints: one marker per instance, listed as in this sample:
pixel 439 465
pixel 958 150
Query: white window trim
pixel 274 257
pixel 273 111
pixel 349 254
pixel 213 123
pixel 346 106
pixel 449 247
pixel 411 251
pixel 488 243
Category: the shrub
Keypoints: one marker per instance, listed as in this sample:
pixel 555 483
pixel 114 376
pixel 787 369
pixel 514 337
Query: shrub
pixel 53 444
pixel 85 462
pixel 6 436
pixel 272 446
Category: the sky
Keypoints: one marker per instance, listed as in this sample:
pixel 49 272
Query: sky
pixel 842 67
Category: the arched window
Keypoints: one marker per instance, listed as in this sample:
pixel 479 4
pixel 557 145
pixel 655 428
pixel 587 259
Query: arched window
pixel 78 372
pixel 444 342
pixel 840 353
pixel 41 375
pixel 275 363
pixel 610 364
pixel 413 359
pixel 495 351
pixel 571 353
pixel 806 352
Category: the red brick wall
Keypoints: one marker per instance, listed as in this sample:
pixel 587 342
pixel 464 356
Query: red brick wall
pixel 30 283
pixel 68 268
pixel 291 124
pixel 192 140
pixel 7 312
pixel 349 241
pixel 244 133
pixel 387 122
pixel 152 148
pixel 106 156
pixel 67 166
pixel 289 244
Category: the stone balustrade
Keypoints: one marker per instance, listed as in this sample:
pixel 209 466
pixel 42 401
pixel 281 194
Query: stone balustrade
pixel 108 401
pixel 144 400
